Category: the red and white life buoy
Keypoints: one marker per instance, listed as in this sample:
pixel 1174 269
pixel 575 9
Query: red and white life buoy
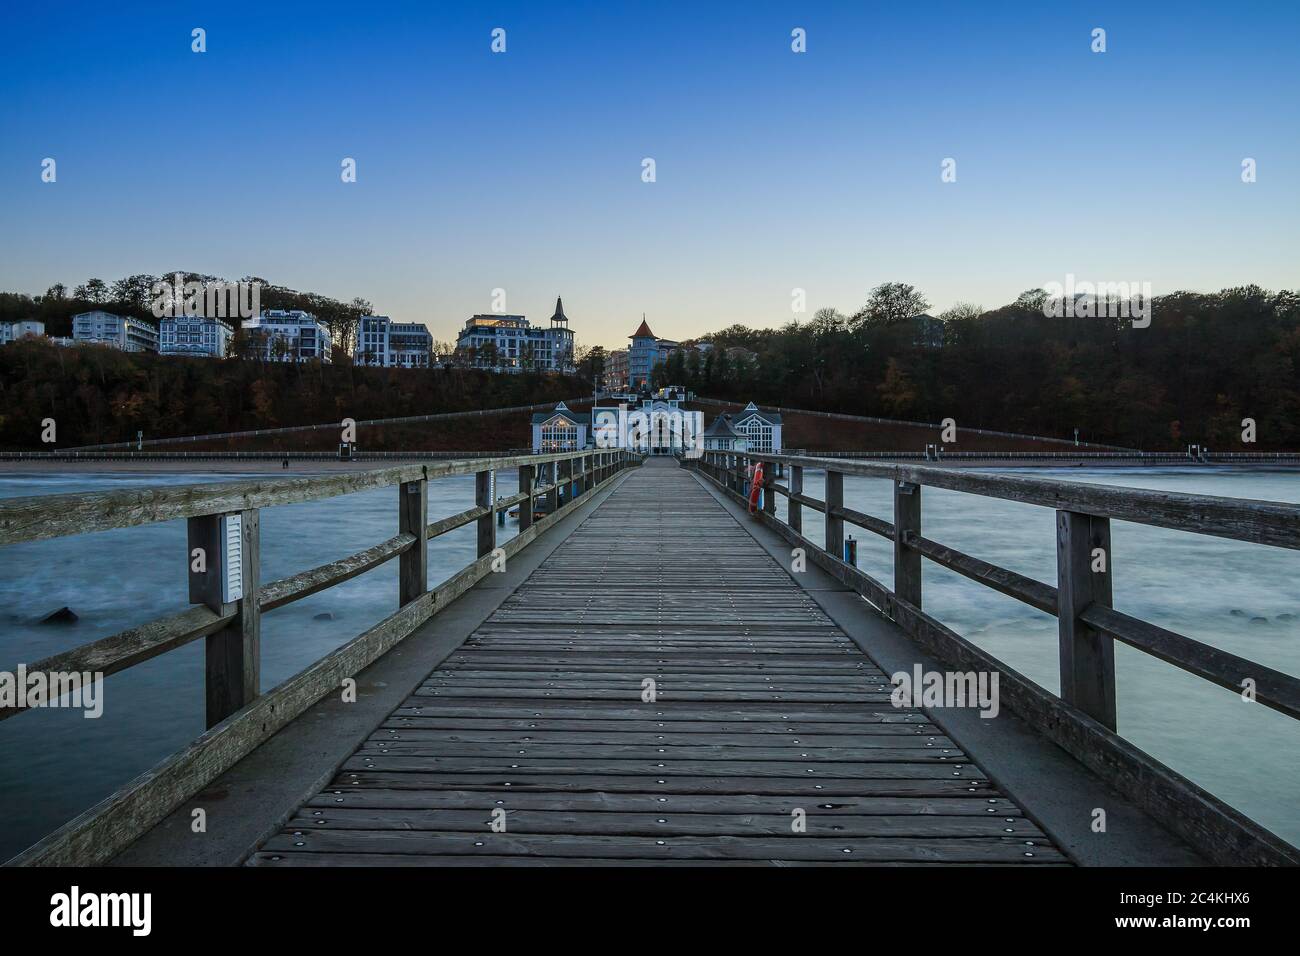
pixel 755 487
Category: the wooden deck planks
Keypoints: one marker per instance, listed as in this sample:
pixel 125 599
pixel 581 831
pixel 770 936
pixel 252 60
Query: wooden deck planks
pixel 762 707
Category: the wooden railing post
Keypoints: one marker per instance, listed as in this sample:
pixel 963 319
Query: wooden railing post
pixel 526 473
pixel 553 496
pixel 487 526
pixel 834 525
pixel 794 510
pixel 229 582
pixel 907 560
pixel 769 482
pixel 413 518
pixel 1083 566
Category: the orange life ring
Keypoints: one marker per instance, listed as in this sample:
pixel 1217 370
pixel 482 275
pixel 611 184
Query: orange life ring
pixel 755 487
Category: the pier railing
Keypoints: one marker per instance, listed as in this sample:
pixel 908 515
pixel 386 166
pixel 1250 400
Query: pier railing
pixel 1082 718
pixel 228 600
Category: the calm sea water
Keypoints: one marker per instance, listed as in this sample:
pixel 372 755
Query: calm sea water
pixel 1241 597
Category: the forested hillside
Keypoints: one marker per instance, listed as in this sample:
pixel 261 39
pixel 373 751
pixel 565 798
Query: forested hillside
pixel 97 394
pixel 1205 362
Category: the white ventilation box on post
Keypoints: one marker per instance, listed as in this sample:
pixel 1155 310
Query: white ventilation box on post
pixel 232 564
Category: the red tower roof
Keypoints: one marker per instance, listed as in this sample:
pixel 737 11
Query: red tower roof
pixel 642 332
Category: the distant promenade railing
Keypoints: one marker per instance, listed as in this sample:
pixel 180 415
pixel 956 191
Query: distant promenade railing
pixel 330 426
pixel 869 420
pixel 1082 718
pixel 276 457
pixel 223 560
pixel 272 457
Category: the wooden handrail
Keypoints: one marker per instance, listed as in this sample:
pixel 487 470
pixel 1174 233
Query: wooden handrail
pixel 1081 718
pixel 301 585
pixel 1184 652
pixel 239 715
pixel 1273 523
pixel 38 518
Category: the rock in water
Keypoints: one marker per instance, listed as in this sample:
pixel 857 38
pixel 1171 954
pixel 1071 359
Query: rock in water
pixel 324 616
pixel 63 615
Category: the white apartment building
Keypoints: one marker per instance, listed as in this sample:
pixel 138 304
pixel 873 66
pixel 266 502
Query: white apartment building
pixel 124 332
pixel 194 335
pixel 510 343
pixel 292 336
pixel 13 331
pixel 383 342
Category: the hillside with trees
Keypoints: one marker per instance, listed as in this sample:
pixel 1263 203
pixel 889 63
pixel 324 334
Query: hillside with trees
pixel 97 394
pixel 1205 362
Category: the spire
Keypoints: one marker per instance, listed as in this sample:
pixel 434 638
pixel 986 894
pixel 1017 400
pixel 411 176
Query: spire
pixel 643 331
pixel 559 315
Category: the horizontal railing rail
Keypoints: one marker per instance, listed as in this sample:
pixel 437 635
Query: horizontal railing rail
pixel 267 456
pixel 223 523
pixel 1082 718
pixel 1156 457
pixel 332 426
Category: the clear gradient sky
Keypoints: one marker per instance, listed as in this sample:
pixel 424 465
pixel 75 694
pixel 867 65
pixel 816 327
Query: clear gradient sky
pixel 775 170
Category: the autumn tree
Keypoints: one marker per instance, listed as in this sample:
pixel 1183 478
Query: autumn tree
pixel 890 304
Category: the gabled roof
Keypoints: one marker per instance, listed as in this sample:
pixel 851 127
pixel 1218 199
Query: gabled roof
pixel 720 427
pixel 752 411
pixel 643 331
pixel 561 411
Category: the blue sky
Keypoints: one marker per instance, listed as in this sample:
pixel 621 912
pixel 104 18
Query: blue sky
pixel 775 170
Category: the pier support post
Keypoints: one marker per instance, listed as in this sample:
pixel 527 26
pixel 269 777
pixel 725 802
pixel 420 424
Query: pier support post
pixel 907 560
pixel 794 510
pixel 231 564
pixel 1083 567
pixel 553 496
pixel 769 483
pixel 526 473
pixel 834 525
pixel 487 526
pixel 413 518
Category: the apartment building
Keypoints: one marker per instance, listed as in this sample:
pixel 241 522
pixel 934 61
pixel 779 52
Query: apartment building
pixel 389 344
pixel 13 331
pixel 511 343
pixel 194 335
pixel 288 336
pixel 123 332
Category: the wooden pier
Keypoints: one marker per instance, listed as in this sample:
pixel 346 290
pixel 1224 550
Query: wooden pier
pixel 770 737
pixel 664 686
